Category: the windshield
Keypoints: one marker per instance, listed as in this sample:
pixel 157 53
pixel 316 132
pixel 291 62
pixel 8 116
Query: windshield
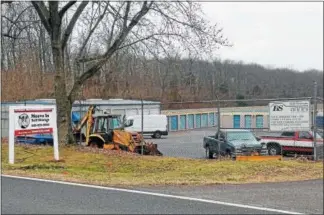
pixel 104 124
pixel 114 123
pixel 240 136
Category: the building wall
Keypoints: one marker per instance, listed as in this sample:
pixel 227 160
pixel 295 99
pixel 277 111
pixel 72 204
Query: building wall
pixel 184 119
pixel 226 121
pixel 227 116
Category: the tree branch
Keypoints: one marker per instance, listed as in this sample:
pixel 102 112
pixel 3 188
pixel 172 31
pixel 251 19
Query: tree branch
pixel 113 27
pixel 66 7
pixel 176 20
pixel 117 14
pixel 123 34
pixel 8 2
pixel 9 36
pixel 126 15
pixel 71 25
pixel 43 14
pixel 92 30
pixel 14 22
pixel 148 37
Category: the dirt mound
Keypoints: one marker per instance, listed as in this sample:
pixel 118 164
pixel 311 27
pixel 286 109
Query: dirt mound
pixel 105 151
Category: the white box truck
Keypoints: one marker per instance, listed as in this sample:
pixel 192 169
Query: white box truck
pixel 154 125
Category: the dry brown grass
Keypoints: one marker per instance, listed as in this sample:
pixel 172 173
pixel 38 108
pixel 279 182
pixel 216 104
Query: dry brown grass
pixel 117 168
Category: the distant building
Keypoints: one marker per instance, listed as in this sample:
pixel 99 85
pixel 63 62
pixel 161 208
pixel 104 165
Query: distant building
pixel 251 117
pixel 114 106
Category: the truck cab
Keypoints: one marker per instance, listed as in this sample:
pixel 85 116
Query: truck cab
pixel 298 142
pixel 232 142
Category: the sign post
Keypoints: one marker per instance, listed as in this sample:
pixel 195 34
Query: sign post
pixel 289 116
pixel 27 120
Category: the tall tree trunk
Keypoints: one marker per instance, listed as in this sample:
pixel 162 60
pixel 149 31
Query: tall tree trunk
pixel 64 104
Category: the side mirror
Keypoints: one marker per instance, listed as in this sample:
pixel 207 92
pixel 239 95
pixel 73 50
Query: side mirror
pixel 258 138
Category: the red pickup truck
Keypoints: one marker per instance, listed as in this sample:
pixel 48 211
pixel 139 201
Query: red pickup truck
pixel 300 142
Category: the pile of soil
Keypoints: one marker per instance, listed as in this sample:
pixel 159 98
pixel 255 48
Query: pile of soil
pixel 105 151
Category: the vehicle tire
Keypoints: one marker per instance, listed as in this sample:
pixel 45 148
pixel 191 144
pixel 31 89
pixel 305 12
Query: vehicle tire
pixel 228 155
pixel 93 144
pixel 274 149
pixel 157 135
pixel 96 144
pixel 209 154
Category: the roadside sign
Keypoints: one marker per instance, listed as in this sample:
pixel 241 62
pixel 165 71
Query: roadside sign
pixel 289 116
pixel 27 120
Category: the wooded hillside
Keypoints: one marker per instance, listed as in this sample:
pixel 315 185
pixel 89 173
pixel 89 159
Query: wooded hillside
pixel 166 80
pixel 133 72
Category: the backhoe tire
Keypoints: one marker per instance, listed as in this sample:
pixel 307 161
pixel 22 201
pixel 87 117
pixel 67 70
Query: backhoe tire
pixel 94 144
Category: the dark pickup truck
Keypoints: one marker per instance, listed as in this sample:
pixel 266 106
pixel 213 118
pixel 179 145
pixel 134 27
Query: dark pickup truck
pixel 232 142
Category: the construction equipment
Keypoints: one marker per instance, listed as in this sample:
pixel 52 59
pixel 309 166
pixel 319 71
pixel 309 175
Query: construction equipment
pixel 104 130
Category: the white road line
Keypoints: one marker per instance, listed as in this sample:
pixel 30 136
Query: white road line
pixel 156 194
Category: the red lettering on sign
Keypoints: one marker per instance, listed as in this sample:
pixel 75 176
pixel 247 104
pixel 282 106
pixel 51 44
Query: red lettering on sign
pixel 33 111
pixel 33 131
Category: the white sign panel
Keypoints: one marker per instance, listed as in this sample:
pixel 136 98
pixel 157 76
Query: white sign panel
pixel 289 116
pixel 28 120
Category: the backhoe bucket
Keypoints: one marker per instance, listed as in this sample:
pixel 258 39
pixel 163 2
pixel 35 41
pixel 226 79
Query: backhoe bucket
pixel 258 157
pixel 148 149
pixel 153 150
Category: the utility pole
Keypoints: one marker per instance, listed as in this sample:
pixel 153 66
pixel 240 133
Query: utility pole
pixel 314 119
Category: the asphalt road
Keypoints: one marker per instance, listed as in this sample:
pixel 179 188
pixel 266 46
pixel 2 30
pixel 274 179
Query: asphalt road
pixel 188 144
pixel 20 196
pixel 304 196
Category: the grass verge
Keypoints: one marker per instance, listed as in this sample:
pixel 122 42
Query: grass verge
pixel 99 167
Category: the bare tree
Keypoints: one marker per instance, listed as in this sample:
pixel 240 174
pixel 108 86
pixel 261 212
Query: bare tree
pixel 150 25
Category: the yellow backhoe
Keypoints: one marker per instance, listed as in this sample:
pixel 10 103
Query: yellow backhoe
pixel 105 130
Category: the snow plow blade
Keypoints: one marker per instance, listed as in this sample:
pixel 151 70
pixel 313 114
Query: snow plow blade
pixel 258 158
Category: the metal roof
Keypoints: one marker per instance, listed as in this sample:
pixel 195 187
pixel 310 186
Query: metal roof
pixel 112 102
pixel 116 102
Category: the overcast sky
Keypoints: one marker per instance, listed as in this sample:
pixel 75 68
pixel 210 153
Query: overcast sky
pixel 278 34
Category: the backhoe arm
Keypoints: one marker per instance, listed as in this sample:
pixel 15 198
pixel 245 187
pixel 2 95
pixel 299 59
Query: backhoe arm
pixel 88 120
